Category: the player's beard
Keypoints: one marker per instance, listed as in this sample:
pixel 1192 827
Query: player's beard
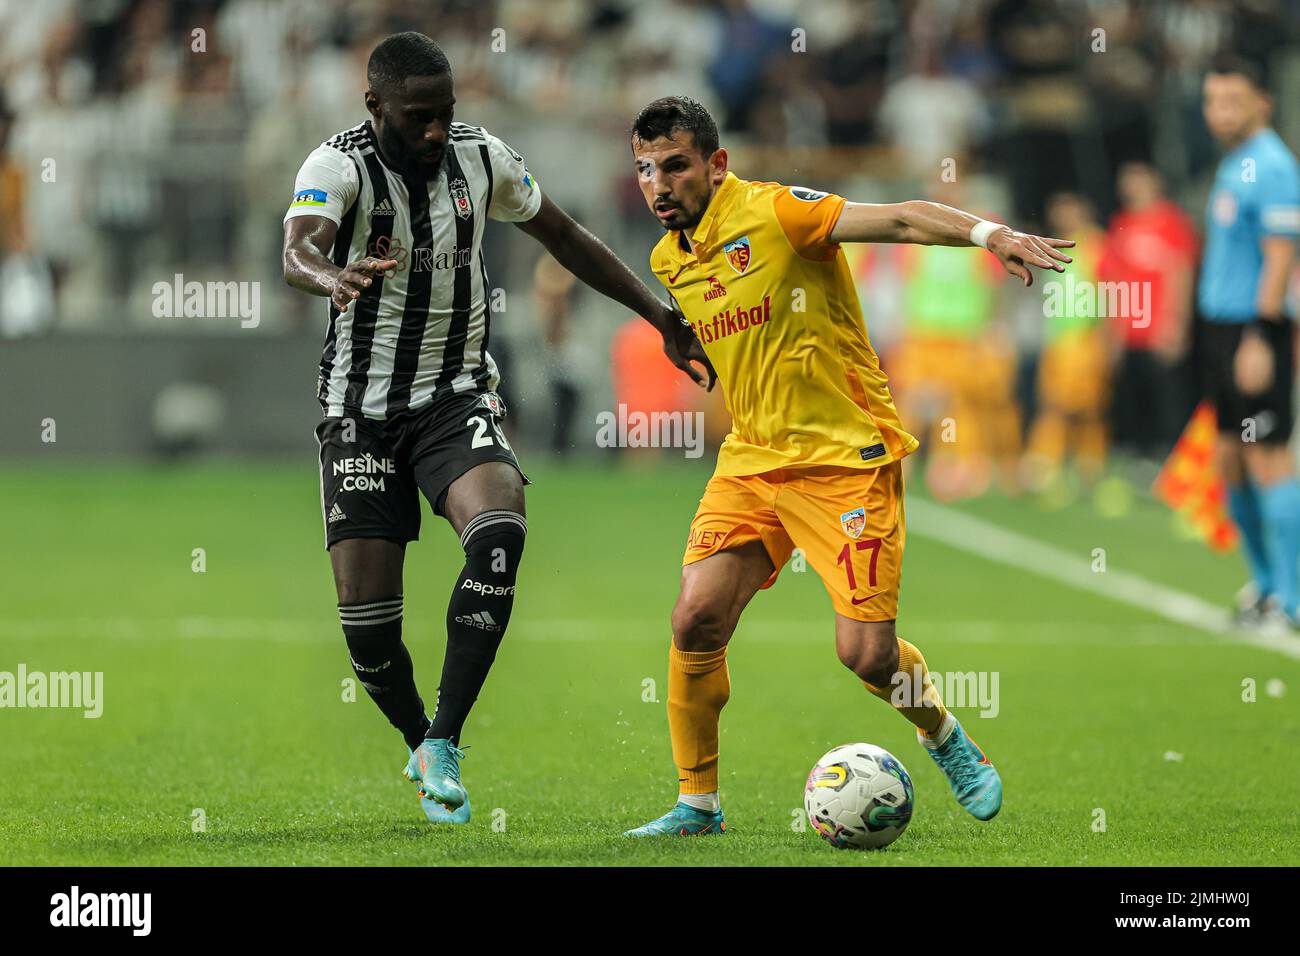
pixel 690 222
pixel 404 159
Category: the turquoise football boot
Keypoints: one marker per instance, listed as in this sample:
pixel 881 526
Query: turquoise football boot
pixel 435 767
pixel 683 820
pixel 437 813
pixel 974 782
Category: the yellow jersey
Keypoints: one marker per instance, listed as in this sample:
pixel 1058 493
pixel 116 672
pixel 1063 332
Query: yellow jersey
pixel 774 305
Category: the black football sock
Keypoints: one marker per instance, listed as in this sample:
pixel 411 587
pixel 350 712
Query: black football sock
pixel 374 634
pixel 477 615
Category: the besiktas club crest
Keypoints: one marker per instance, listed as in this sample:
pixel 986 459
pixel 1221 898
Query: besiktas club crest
pixel 738 254
pixel 459 191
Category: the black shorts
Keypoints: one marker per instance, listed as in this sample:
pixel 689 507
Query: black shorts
pixel 371 472
pixel 1273 410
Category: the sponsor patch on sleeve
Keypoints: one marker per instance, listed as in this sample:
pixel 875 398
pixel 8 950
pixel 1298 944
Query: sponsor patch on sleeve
pixel 528 180
pixel 1281 219
pixel 308 197
pixel 806 194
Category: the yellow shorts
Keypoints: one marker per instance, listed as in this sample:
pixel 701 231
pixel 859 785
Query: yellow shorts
pixel 847 521
pixel 1074 373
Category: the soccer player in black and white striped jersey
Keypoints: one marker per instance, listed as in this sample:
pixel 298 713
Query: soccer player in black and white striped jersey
pixel 387 222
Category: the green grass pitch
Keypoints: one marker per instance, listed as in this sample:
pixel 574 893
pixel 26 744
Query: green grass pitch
pixel 223 689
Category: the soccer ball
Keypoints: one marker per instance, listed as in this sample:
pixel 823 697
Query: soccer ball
pixel 860 796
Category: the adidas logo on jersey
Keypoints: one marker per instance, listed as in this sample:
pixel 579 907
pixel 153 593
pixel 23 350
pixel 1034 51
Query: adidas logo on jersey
pixel 479 619
pixel 383 208
pixel 336 514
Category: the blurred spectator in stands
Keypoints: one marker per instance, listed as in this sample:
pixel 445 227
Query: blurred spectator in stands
pixel 1124 84
pixel 929 116
pixel 853 73
pixel 667 46
pixel 969 54
pixel 26 289
pixel 1192 32
pixel 749 41
pixel 1047 105
pixel 1151 248
pixel 13 188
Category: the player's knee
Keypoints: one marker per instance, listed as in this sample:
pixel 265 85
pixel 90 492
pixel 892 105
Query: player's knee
pixel 358 590
pixel 485 594
pixel 699 625
pixel 870 650
pixel 373 631
pixel 494 541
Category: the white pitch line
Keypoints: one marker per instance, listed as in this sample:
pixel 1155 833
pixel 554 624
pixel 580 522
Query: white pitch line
pixel 995 543
pixel 949 526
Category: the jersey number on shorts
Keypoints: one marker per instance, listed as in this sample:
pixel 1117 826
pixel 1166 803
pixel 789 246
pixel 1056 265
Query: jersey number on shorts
pixel 481 437
pixel 846 559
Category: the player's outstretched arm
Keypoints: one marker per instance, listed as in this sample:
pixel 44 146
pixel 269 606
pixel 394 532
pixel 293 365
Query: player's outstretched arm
pixel 934 224
pixel 592 262
pixel 307 266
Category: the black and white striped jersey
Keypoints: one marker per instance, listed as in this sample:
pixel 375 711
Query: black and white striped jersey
pixel 422 334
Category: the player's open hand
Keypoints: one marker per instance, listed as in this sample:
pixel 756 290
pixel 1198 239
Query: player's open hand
pixel 356 277
pixel 1017 251
pixel 683 349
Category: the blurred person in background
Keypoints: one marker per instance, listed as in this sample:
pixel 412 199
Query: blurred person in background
pixel 13 191
pixel 26 287
pixel 1151 245
pixel 1045 99
pixel 1123 83
pixel 953 372
pixel 739 62
pixel 929 116
pixel 645 385
pixel 1247 343
pixel 1068 439
pixel 553 287
pixel 853 71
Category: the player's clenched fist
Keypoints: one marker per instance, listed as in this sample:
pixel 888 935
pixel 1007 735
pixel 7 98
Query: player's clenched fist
pixel 356 277
pixel 683 348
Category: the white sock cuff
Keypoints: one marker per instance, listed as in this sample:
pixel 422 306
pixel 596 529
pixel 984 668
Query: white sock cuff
pixel 941 738
pixel 708 802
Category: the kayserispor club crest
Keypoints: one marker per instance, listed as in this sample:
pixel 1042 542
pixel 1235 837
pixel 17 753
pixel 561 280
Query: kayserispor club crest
pixel 853 522
pixel 738 254
pixel 459 191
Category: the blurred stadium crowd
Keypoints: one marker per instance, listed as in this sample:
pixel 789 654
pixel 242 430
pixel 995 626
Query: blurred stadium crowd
pixel 143 138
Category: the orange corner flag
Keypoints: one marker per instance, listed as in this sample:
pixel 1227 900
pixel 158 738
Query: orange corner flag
pixel 1189 484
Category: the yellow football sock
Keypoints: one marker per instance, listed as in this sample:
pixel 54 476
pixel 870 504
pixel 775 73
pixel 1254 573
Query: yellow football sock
pixel 698 688
pixel 922 707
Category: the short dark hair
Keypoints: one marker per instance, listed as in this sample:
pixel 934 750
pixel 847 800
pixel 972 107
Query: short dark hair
pixel 1230 64
pixel 402 55
pixel 669 114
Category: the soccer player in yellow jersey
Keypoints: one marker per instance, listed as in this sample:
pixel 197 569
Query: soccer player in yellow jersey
pixel 813 459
